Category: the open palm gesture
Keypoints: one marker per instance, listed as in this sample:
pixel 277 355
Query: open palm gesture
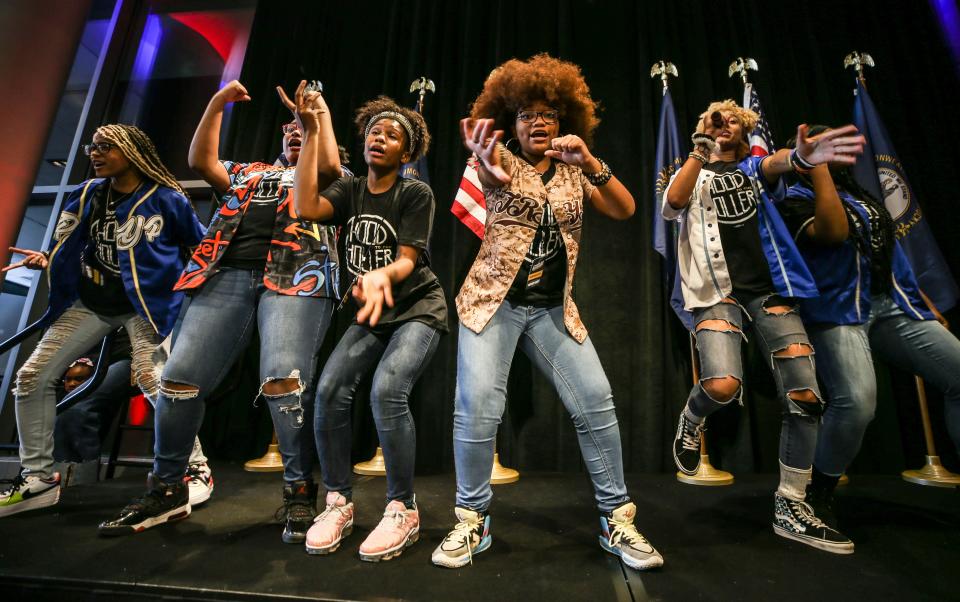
pixel 481 139
pixel 840 145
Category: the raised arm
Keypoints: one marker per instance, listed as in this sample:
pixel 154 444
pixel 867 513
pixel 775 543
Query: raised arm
pixel 681 187
pixel 313 117
pixel 204 156
pixel 829 226
pixel 840 145
pixel 312 102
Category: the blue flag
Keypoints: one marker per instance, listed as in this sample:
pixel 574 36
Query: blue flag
pixel 416 170
pixel 668 161
pixel 880 173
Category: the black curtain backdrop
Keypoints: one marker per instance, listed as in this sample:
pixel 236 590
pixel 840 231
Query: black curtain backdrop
pixel 362 49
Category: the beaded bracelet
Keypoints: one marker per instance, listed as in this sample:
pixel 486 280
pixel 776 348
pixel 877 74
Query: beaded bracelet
pixel 601 177
pixel 699 157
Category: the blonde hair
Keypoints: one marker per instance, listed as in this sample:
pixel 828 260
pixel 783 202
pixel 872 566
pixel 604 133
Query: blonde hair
pixel 748 120
pixel 137 147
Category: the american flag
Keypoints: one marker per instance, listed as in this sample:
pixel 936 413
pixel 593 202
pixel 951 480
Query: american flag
pixel 761 141
pixel 469 205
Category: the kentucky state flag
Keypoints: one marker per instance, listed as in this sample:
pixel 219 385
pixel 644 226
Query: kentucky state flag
pixel 879 172
pixel 668 161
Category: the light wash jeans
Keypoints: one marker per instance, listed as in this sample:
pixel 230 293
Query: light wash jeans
pixel 921 347
pixel 217 327
pixel 397 360
pixel 719 354
pixel 70 336
pixel 483 365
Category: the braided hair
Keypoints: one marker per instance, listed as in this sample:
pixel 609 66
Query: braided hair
pixel 137 147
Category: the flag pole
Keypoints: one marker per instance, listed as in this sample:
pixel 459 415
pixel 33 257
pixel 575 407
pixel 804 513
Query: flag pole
pixel 933 472
pixel 270 461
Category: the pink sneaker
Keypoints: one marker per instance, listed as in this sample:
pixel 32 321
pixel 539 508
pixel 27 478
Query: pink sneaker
pixel 331 525
pixel 398 529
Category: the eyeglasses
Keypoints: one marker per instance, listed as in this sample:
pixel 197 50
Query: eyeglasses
pixel 289 128
pixel 101 147
pixel 549 116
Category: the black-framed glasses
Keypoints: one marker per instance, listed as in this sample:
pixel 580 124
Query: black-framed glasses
pixel 289 128
pixel 549 116
pixel 101 147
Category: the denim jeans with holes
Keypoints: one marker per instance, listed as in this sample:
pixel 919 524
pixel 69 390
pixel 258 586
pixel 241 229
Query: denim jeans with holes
pixel 216 329
pixel 719 354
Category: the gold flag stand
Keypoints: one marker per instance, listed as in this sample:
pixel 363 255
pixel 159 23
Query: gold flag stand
pixel 374 467
pixel 933 473
pixel 269 462
pixel 501 475
pixel 706 475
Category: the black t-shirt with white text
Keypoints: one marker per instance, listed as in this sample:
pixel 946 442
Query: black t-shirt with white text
pixel 101 286
pixel 736 204
pixel 543 273
pixel 373 228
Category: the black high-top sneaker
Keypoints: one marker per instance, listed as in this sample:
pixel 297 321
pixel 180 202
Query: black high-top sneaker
pixel 162 503
pixel 686 445
pixel 298 510
pixel 796 520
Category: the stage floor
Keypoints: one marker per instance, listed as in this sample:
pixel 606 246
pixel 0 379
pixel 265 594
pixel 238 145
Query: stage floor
pixel 717 543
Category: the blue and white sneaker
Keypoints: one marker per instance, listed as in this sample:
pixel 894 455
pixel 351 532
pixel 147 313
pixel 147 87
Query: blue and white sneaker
pixel 620 537
pixel 29 493
pixel 469 537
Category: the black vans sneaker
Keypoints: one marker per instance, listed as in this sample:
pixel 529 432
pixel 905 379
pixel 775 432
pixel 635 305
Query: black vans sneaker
pixel 796 520
pixel 162 503
pixel 686 445
pixel 298 510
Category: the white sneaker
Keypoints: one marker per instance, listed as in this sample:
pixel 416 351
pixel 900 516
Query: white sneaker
pixel 29 493
pixel 200 483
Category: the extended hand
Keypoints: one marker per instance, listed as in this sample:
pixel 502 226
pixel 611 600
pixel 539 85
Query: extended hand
pixel 481 139
pixel 570 149
pixel 232 92
pixel 840 145
pixel 373 289
pixel 306 106
pixel 35 260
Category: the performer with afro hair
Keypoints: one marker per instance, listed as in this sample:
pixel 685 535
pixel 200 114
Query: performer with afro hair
pixel 518 293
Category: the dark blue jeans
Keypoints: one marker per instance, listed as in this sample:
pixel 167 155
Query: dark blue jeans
pixel 398 359
pixel 216 328
pixel 921 347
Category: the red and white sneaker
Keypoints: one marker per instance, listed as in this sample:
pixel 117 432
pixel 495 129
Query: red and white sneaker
pixel 330 526
pixel 398 529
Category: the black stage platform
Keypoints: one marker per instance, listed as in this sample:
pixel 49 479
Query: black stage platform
pixel 717 543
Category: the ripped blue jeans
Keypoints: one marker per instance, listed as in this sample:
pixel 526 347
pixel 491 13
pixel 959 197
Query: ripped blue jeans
pixel 216 329
pixel 789 355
